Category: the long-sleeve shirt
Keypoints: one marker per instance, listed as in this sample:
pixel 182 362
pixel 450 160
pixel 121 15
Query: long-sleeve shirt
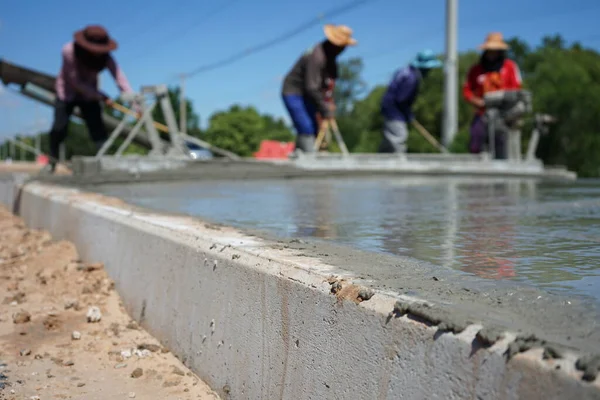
pixel 401 94
pixel 310 77
pixel 75 79
pixel 479 82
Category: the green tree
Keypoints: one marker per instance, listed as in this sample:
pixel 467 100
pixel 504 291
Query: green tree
pixel 241 129
pixel 349 86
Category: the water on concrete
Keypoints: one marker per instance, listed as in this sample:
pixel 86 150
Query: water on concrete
pixel 546 234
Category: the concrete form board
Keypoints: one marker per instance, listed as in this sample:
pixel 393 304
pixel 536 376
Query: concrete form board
pixel 256 322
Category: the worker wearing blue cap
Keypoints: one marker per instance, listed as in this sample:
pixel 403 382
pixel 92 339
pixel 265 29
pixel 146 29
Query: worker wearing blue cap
pixel 397 102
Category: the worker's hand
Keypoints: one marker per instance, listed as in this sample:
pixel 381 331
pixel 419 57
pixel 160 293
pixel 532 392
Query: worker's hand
pixel 108 102
pixel 478 102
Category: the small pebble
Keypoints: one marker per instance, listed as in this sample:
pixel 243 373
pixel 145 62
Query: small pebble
pixel 21 317
pixel 25 352
pixel 94 314
pixel 81 384
pixel 137 373
pixel 133 325
pixel 76 335
pixel 31 398
pixel 68 363
pixel 119 366
pixel 132 395
pixel 74 304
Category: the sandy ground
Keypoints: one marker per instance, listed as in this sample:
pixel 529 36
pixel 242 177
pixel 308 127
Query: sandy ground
pixel 30 167
pixel 45 296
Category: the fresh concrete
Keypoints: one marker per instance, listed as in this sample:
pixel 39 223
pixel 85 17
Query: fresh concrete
pixel 258 321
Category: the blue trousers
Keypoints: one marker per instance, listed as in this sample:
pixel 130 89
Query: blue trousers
pixel 303 114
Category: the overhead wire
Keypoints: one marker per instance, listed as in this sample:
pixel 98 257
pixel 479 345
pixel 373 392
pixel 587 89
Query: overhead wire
pixel 160 17
pixel 279 39
pixel 153 47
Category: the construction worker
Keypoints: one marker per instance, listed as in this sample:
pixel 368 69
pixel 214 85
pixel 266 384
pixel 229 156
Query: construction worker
pixel 396 105
pixel 308 88
pixel 493 72
pixel 77 86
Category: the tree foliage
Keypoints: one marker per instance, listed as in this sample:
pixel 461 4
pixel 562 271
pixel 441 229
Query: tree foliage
pixel 241 129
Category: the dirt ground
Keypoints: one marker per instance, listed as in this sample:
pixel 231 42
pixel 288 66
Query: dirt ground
pixel 49 349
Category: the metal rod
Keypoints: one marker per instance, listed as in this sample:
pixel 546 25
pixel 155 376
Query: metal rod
pixel 428 136
pixel 135 130
pixel 338 137
pixel 450 124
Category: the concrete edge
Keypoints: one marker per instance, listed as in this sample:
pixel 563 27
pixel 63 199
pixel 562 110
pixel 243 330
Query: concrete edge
pixel 235 309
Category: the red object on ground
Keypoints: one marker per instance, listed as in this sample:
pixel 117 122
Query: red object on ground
pixel 42 159
pixel 274 150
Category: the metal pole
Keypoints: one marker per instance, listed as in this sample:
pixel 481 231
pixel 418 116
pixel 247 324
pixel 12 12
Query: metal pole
pixel 450 124
pixel 182 106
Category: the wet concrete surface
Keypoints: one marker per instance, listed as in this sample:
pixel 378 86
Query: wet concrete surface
pixel 544 234
pixel 516 253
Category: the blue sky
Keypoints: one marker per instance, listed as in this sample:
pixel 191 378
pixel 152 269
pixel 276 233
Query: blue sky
pixel 158 40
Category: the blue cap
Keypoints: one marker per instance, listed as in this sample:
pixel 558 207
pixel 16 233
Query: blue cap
pixel 426 59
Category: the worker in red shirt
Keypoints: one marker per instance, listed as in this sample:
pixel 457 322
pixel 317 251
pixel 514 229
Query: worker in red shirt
pixel 493 72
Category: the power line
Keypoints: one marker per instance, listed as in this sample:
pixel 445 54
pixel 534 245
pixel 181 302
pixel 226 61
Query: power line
pixel 277 40
pixel 153 46
pixel 158 18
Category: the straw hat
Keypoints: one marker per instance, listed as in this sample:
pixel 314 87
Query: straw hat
pixel 494 41
pixel 340 35
pixel 95 39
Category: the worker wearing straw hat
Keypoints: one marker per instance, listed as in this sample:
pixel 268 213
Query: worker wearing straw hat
pixel 396 105
pixel 77 85
pixel 493 72
pixel 308 88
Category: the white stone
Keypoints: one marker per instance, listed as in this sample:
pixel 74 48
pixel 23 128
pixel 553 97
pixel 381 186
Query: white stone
pixel 94 314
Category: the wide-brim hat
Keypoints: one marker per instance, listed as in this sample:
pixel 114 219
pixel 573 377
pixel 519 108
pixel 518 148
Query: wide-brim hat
pixel 426 59
pixel 494 41
pixel 340 35
pixel 95 39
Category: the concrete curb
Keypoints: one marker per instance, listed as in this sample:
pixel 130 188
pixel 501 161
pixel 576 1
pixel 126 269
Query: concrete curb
pixel 257 321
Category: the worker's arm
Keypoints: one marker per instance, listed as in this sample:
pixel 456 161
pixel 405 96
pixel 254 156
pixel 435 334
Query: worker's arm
pixel 69 71
pixel 121 80
pixel 516 82
pixel 119 76
pixel 313 79
pixel 469 89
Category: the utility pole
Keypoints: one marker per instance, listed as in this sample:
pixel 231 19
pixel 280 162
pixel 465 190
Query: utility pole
pixel 450 121
pixel 182 106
